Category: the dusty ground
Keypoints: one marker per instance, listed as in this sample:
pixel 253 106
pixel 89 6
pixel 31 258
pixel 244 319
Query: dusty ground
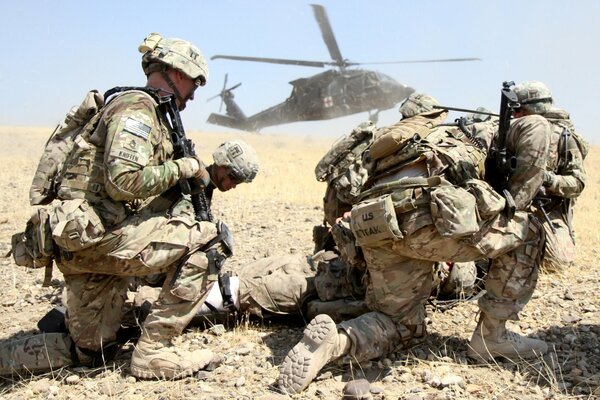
pixel 273 216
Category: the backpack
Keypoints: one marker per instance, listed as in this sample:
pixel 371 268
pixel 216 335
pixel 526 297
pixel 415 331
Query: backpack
pixel 59 146
pixel 341 167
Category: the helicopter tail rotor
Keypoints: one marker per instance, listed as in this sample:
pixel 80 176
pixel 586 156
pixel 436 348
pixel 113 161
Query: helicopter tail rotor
pixel 225 92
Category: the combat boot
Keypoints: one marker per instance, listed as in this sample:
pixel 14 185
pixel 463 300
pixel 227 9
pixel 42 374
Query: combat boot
pixel 492 339
pixel 153 359
pixel 39 353
pixel 320 344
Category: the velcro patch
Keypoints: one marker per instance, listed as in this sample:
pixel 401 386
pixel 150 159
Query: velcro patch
pixel 137 128
pixel 235 151
pixel 128 155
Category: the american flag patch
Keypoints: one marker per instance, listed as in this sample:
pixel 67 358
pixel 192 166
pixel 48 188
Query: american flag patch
pixel 137 128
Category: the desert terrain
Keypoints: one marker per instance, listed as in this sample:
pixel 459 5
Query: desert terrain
pixel 274 215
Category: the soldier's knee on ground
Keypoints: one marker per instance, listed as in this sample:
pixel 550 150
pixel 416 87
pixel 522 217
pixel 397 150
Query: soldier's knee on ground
pixel 39 353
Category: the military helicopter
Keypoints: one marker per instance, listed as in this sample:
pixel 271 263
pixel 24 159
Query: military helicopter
pixel 331 94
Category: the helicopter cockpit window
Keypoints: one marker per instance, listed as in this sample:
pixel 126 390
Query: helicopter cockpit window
pixel 371 79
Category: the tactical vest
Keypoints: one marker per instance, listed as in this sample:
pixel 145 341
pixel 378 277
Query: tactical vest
pixel 429 169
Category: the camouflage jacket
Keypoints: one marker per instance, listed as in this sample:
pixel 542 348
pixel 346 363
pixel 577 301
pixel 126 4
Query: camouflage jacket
pixel 126 158
pixel 528 139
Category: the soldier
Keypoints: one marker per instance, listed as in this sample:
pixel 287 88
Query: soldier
pixel 104 233
pixel 234 162
pixel 426 202
pixel 564 180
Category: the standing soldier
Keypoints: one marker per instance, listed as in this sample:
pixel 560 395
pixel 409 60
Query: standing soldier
pixel 426 202
pixel 101 233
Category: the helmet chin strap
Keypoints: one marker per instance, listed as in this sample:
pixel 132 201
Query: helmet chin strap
pixel 171 84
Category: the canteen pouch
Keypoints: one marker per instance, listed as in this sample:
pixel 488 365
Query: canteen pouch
pixel 75 225
pixel 489 202
pixel 374 222
pixel 454 211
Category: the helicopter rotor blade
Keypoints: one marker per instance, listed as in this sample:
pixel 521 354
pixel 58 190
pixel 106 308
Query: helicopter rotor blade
pixel 327 33
pixel 419 61
pixel 320 64
pixel 234 87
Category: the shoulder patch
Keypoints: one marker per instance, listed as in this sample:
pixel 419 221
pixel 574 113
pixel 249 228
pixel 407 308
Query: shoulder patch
pixel 137 128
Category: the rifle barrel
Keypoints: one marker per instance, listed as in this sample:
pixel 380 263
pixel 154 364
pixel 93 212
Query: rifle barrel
pixel 465 110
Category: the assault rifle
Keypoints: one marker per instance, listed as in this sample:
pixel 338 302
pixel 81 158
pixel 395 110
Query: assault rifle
pixel 182 146
pixel 500 165
pixel 465 110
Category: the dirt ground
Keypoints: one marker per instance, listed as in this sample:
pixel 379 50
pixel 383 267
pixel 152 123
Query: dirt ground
pixel 275 215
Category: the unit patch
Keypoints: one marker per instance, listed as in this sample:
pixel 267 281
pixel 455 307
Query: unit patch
pixel 137 128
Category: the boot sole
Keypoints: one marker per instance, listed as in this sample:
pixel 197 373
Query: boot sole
pixel 309 356
pixel 145 373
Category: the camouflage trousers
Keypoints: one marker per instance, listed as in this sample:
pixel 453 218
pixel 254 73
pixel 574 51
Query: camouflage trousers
pixel 560 243
pixel 400 278
pixel 276 285
pixel 97 278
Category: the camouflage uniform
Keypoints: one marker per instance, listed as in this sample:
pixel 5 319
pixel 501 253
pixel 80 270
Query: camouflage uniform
pixel 401 247
pixel 564 181
pixel 105 234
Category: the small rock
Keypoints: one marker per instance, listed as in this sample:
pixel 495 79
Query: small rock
pixel 53 390
pixel 358 389
pixel 217 329
pixel 73 379
pixel 203 375
pixel 324 375
pixel 131 379
pixel 448 380
pixel 243 351
pixel 571 319
pixel 568 296
pixel 241 381
pixel 376 390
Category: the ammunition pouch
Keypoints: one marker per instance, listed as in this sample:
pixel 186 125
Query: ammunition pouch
pixel 75 225
pixel 374 221
pixel 489 202
pixel 454 211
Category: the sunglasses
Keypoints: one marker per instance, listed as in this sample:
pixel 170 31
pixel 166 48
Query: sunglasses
pixel 235 176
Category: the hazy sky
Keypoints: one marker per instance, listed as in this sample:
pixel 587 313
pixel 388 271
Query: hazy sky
pixel 54 51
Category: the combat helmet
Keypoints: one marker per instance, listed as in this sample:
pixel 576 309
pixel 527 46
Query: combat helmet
pixel 239 157
pixel 534 96
pixel 478 117
pixel 173 53
pixel 417 103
